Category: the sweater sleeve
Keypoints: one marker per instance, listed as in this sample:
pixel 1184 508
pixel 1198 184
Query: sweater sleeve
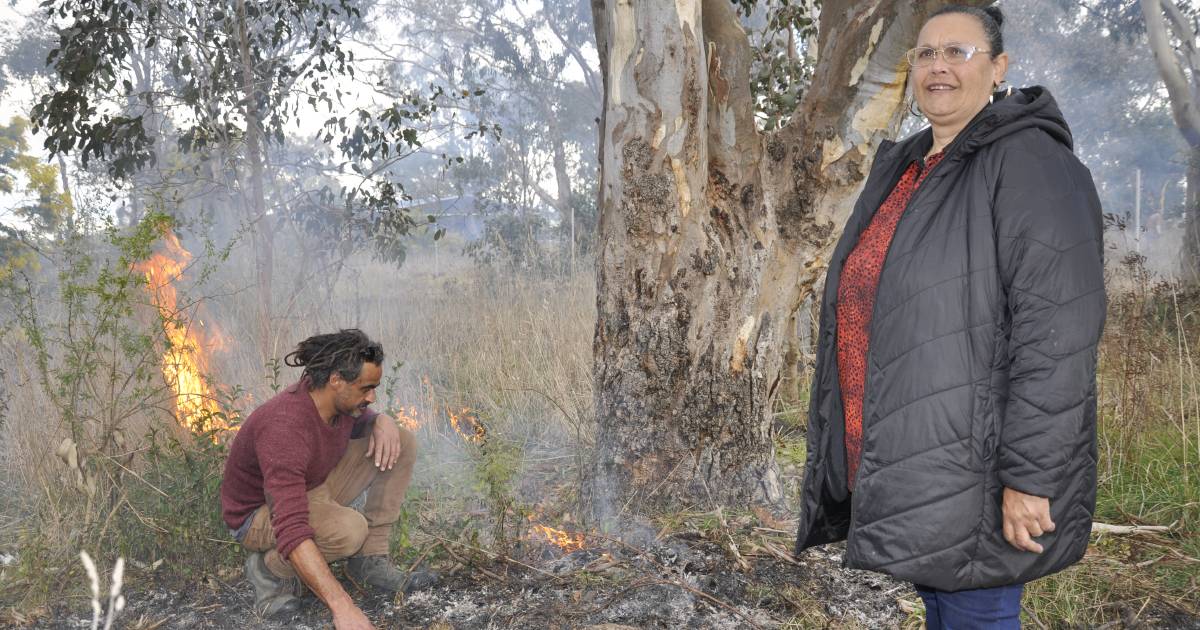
pixel 1050 253
pixel 284 454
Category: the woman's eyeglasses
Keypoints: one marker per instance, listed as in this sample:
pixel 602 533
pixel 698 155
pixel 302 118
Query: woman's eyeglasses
pixel 954 54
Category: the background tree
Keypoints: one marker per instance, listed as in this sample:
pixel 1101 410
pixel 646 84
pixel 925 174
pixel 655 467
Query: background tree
pixel 1173 34
pixel 531 69
pixel 224 81
pixel 41 209
pixel 712 234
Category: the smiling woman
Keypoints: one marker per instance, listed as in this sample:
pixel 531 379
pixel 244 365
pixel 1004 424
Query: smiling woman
pixel 952 418
pixel 958 63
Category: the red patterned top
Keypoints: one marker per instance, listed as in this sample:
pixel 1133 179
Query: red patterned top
pixel 856 299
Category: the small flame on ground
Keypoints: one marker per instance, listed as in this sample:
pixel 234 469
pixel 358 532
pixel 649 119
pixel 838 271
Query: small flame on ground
pixel 408 418
pixel 562 539
pixel 465 421
pixel 467 425
pixel 184 362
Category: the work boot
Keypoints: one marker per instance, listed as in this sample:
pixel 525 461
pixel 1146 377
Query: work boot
pixel 378 571
pixel 273 596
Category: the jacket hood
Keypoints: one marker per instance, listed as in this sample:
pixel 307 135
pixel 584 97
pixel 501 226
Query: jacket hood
pixel 1023 108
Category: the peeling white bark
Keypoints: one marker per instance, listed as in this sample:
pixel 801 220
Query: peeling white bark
pixel 712 235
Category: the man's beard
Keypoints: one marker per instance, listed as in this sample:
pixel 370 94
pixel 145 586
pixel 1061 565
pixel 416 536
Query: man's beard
pixel 353 412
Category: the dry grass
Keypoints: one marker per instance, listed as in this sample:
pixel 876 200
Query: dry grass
pixel 516 352
pixel 510 354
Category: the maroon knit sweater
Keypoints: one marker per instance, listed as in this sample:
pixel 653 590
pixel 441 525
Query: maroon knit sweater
pixel 282 451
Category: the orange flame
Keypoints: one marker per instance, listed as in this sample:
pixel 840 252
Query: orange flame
pixel 184 360
pixel 408 418
pixel 465 422
pixel 559 538
pixel 465 417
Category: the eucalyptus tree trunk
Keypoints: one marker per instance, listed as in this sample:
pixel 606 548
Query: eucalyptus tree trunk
pixel 712 234
pixel 261 223
pixel 1164 22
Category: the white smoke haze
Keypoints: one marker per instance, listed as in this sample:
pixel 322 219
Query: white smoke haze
pixel 488 330
pixel 515 350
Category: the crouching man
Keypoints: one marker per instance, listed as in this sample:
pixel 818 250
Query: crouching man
pixel 296 464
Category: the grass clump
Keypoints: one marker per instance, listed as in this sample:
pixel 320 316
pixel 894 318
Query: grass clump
pixel 1149 470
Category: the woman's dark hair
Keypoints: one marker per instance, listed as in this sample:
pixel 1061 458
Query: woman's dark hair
pixel 991 18
pixel 344 351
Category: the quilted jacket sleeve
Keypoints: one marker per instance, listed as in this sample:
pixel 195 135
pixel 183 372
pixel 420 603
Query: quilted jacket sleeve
pixel 1050 247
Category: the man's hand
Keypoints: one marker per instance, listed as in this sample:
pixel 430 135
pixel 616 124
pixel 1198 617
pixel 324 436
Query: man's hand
pixel 310 565
pixel 1025 517
pixel 384 444
pixel 351 618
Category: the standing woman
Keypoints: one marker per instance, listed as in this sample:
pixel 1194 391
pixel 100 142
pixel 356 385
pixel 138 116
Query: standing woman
pixel 952 422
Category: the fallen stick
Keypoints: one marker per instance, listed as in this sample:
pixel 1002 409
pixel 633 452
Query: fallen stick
pixel 492 554
pixel 781 554
pixel 471 565
pixel 413 567
pixel 1120 530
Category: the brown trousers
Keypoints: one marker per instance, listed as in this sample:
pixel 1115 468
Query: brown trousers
pixel 340 531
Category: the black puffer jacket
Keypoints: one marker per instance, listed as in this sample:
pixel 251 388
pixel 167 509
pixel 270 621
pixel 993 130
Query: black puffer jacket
pixel 982 361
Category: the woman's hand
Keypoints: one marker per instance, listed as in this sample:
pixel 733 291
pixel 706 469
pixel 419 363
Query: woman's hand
pixel 1025 517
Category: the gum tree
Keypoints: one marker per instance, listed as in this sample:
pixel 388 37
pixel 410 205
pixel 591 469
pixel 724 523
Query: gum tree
pixel 712 233
pixel 1175 39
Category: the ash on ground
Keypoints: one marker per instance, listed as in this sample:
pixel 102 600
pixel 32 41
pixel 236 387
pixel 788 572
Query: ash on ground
pixel 682 581
pixel 685 580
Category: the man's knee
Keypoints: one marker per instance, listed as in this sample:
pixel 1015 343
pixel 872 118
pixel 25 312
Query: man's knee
pixel 338 532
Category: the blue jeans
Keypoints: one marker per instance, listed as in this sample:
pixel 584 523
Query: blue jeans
pixel 996 608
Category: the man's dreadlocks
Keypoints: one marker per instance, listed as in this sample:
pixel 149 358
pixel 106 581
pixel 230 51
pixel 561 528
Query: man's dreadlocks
pixel 344 351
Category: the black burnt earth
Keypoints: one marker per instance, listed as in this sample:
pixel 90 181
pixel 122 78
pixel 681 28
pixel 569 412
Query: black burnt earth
pixel 684 580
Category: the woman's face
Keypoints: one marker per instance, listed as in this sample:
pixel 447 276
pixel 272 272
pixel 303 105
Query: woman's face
pixel 951 94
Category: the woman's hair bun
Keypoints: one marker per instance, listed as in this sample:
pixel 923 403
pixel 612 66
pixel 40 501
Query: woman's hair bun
pixel 996 14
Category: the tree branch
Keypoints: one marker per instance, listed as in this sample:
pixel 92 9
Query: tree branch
pixel 1183 102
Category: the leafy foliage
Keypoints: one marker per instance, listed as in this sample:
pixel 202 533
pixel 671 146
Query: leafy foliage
pixel 783 65
pixel 43 207
pixel 96 358
pixel 134 74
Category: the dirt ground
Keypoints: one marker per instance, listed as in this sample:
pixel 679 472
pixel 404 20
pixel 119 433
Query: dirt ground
pixel 687 580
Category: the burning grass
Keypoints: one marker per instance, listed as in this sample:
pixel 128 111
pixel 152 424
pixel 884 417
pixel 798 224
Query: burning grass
pixel 185 359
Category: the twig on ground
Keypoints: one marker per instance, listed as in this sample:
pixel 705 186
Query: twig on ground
pixel 731 545
pixel 473 566
pixel 779 553
pixel 770 530
pixel 1145 563
pixel 493 555
pixel 1034 617
pixel 1120 530
pixel 413 567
